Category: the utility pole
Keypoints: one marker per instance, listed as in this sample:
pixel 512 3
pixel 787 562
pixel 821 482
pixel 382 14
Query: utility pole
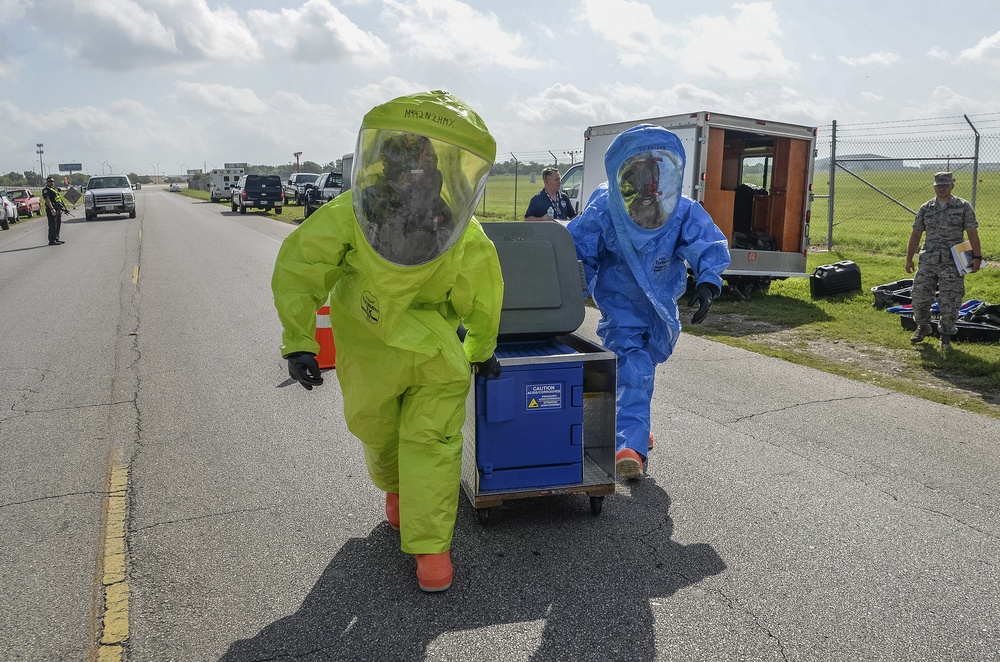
pixel 298 168
pixel 41 168
pixel 572 153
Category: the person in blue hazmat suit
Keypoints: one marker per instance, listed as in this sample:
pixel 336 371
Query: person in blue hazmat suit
pixel 404 263
pixel 633 239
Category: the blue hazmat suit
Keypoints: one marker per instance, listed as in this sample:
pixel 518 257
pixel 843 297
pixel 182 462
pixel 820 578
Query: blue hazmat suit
pixel 635 265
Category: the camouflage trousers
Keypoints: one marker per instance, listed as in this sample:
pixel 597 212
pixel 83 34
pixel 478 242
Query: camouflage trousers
pixel 950 286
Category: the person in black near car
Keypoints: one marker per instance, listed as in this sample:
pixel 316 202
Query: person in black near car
pixel 53 210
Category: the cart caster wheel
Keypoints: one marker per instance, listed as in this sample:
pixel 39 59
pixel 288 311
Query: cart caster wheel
pixel 484 515
pixel 596 504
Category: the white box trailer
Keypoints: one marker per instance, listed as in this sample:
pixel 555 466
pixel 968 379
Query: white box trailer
pixel 220 180
pixel 753 176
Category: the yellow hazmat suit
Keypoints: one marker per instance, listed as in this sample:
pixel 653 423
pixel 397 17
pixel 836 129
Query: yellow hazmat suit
pixel 404 263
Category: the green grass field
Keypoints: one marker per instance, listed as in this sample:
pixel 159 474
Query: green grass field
pixel 871 230
pixel 867 220
pixel 797 326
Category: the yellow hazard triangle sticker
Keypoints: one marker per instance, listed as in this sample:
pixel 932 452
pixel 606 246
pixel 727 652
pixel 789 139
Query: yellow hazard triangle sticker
pixel 533 404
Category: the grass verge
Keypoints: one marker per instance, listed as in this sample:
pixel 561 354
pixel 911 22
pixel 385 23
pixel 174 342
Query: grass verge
pixel 289 214
pixel 846 335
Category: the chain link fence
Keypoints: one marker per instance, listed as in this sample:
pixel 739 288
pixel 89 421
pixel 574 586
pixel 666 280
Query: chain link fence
pixel 871 178
pixel 516 179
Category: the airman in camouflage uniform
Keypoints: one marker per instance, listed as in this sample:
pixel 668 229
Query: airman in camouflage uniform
pixel 946 219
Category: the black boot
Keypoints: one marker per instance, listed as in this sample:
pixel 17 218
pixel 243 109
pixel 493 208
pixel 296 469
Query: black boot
pixel 945 342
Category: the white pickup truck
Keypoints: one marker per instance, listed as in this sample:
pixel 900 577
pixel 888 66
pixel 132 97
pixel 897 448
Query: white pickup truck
pixel 295 186
pixel 109 194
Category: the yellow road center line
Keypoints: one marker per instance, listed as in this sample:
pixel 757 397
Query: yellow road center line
pixel 116 590
pixel 135 274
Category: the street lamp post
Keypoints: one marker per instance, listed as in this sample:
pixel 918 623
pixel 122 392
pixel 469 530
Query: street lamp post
pixel 40 151
pixel 156 171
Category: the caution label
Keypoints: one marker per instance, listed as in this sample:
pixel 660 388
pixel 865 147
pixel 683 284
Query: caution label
pixel 543 396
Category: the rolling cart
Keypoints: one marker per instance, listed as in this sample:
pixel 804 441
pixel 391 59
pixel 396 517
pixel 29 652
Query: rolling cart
pixel 546 426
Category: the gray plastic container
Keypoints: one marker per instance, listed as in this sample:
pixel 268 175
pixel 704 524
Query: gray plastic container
pixel 543 280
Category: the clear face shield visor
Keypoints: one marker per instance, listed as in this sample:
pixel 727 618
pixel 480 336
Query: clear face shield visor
pixel 650 185
pixel 414 195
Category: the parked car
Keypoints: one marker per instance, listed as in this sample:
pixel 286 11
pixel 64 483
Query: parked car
pixel 8 211
pixel 295 187
pixel 174 188
pixel 326 188
pixel 27 202
pixel 257 192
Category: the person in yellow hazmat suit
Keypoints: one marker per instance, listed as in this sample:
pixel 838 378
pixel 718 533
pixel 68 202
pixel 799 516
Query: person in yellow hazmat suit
pixel 405 264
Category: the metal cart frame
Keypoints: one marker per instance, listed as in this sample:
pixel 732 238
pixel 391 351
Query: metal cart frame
pixel 599 391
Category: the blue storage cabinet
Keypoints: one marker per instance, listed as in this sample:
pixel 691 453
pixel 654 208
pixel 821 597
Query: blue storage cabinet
pixel 546 425
pixel 529 421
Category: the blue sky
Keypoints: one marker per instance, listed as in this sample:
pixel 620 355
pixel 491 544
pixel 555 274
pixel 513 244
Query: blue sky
pixel 169 85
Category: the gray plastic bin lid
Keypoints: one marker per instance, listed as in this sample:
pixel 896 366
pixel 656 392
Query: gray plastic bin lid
pixel 543 280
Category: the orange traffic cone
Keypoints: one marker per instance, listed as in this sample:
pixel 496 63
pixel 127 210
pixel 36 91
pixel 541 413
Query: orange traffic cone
pixel 324 336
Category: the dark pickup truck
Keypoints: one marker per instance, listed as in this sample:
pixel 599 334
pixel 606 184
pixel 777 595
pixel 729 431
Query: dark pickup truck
pixel 258 192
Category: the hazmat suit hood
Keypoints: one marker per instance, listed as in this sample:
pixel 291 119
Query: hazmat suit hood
pixel 420 169
pixel 645 167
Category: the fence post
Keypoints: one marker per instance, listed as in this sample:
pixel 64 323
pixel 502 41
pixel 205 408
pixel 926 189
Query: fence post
pixel 516 175
pixel 975 161
pixel 833 171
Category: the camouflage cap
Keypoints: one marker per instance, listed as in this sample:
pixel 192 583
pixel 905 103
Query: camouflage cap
pixel 943 178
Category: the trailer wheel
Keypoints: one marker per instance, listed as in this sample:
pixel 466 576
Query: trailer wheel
pixel 596 504
pixel 484 515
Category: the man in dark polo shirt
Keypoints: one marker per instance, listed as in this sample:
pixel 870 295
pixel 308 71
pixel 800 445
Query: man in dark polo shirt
pixel 551 204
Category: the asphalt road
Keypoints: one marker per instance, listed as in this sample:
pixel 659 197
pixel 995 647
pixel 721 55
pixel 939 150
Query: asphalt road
pixel 787 514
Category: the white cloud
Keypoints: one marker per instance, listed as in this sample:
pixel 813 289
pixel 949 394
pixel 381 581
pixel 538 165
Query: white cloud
pixel 318 32
pixel 215 34
pixel 217 97
pixel 945 101
pixel 124 35
pixel 871 96
pixel 880 58
pixel 632 27
pixel 938 53
pixel 744 45
pixel 449 31
pixel 988 49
